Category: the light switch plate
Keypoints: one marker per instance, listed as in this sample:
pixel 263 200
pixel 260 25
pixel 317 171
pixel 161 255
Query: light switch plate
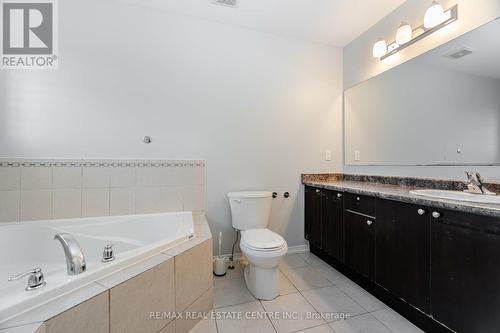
pixel 356 156
pixel 328 155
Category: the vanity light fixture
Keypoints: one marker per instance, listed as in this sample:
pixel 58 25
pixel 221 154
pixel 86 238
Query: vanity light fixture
pixel 379 48
pixel 404 34
pixel 435 18
pixel 434 15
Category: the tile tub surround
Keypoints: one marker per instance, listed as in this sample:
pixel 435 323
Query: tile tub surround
pixel 155 284
pixel 36 189
pixel 402 192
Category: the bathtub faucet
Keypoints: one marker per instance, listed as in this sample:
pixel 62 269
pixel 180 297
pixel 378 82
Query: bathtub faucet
pixel 75 260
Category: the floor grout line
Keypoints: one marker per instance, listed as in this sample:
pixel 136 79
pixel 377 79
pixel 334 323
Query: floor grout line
pixel 272 324
pixel 300 292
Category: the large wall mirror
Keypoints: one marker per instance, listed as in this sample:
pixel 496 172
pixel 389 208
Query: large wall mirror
pixel 441 108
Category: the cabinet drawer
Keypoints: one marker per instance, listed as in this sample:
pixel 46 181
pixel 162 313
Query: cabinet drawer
pixel 360 204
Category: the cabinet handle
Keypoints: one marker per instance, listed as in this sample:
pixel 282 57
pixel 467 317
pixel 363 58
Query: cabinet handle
pixel 317 191
pixel 358 198
pixel 436 215
pixel 369 222
pixel 421 211
pixel 339 195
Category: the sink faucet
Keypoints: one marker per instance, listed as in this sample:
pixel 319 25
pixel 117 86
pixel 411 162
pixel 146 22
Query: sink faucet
pixel 475 184
pixel 75 260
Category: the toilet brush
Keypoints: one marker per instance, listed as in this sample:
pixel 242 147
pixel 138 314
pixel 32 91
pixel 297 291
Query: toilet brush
pixel 220 242
pixel 220 262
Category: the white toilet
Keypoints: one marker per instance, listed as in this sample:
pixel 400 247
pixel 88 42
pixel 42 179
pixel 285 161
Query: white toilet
pixel 263 248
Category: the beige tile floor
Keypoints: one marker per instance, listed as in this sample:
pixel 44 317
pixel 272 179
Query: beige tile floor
pixel 307 286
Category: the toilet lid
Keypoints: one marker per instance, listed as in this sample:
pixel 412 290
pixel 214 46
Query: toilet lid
pixel 262 239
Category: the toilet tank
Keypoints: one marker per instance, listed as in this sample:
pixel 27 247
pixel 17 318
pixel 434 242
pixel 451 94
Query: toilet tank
pixel 250 210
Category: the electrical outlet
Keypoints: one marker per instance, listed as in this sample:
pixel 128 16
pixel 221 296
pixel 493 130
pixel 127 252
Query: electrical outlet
pixel 328 155
pixel 356 156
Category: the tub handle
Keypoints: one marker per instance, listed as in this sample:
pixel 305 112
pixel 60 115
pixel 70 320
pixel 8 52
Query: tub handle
pixel 107 254
pixel 35 280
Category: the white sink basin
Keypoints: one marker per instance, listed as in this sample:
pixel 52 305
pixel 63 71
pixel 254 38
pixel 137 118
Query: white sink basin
pixel 459 196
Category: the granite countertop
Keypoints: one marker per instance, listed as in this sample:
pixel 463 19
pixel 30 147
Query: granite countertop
pixel 402 193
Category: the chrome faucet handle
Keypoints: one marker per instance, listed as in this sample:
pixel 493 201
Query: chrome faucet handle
pixel 468 177
pixel 107 254
pixel 475 184
pixel 35 280
pixel 477 176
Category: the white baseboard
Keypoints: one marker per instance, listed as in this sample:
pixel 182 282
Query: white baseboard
pixel 291 250
pixel 298 249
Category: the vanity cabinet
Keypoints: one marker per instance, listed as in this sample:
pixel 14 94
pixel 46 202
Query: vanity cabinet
pixel 403 251
pixel 439 268
pixel 323 222
pixel 313 216
pixel 333 231
pixel 360 243
pixel 359 224
pixel 465 272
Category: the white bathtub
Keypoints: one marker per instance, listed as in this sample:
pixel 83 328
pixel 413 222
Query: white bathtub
pixel 27 245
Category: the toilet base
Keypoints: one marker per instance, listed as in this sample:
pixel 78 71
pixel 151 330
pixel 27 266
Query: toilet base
pixel 262 282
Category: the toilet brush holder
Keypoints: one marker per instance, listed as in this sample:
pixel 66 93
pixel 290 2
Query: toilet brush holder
pixel 220 266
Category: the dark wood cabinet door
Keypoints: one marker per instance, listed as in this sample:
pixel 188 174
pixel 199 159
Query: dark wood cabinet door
pixel 332 224
pixel 402 262
pixel 313 216
pixel 360 243
pixel 465 272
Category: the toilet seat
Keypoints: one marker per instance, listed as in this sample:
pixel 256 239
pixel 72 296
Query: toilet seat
pixel 262 240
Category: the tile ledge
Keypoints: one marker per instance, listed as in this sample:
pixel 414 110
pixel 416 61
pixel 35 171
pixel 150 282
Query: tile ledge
pixel 57 306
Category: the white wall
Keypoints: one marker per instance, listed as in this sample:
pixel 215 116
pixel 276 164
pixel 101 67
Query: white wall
pixel 359 66
pixel 259 108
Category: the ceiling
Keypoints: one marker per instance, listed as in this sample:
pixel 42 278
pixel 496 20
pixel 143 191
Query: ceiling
pixel 332 22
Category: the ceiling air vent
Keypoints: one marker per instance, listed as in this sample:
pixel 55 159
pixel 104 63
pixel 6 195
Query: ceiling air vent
pixel 458 53
pixel 228 3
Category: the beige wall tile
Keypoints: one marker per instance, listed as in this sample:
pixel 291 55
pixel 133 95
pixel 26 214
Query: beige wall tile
pixel 171 199
pixel 95 177
pixel 203 305
pixel 193 274
pixel 149 176
pixel 148 200
pixel 36 178
pixel 10 178
pixel 192 175
pixel 158 199
pixel 122 201
pixel 95 202
pixel 194 198
pixel 178 186
pixel 89 316
pixel 122 177
pixel 66 203
pixel 36 205
pixel 178 176
pixel 9 206
pixel 65 177
pixel 132 301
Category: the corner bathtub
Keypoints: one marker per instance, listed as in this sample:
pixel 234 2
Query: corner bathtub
pixel 31 244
